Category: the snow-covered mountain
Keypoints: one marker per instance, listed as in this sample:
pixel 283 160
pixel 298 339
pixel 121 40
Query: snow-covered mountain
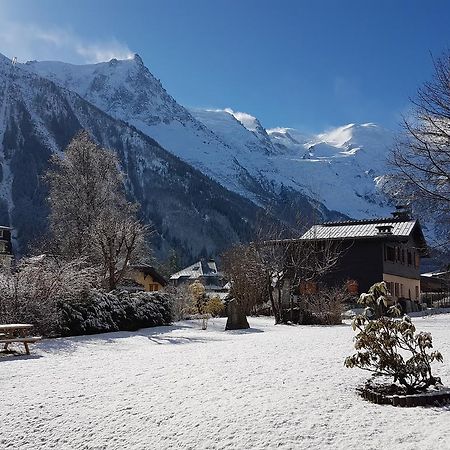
pixel 232 148
pixel 189 211
pixel 339 169
pixel 342 168
pixel 127 90
pixel 126 108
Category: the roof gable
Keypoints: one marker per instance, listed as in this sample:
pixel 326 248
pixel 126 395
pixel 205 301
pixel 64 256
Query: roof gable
pixel 150 270
pixel 366 229
pixel 202 268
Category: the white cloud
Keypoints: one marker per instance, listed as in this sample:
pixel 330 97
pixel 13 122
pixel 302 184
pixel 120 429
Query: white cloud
pixel 29 41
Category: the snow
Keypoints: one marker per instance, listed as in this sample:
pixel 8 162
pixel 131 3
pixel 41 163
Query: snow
pixel 340 168
pixel 179 387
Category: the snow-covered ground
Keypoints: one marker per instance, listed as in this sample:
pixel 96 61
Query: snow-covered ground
pixel 179 387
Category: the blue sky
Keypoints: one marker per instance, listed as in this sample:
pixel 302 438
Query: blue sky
pixel 305 64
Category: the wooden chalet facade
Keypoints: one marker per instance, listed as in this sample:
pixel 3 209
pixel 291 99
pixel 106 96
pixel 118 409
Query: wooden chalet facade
pixel 375 250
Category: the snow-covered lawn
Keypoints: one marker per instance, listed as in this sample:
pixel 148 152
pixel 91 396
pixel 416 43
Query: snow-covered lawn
pixel 180 387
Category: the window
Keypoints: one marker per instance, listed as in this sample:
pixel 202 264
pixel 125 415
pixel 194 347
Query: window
pixel 2 247
pixel 416 260
pixel 403 256
pixel 401 290
pixel 397 289
pixel 409 258
pixel 417 292
pixel 390 253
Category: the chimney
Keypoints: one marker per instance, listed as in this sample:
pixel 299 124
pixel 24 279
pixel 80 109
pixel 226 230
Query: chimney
pixel 402 212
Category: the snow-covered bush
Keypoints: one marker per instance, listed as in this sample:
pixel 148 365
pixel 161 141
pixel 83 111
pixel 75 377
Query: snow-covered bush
pixel 376 300
pixel 199 301
pixel 31 293
pixel 391 347
pixel 59 298
pixel 104 312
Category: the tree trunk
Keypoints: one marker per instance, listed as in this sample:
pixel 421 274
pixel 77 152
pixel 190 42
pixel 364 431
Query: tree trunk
pixel 237 319
pixel 280 305
pixel 276 311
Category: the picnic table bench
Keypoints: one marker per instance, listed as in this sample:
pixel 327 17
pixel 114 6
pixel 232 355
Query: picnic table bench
pixel 16 333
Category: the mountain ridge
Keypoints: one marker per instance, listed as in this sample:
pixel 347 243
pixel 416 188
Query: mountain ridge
pixel 241 155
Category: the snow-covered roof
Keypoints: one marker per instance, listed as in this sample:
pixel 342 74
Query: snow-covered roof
pixel 361 229
pixel 199 269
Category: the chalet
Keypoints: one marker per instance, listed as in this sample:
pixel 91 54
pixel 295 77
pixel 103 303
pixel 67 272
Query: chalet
pixel 147 277
pixel 376 250
pixel 207 273
pixel 6 254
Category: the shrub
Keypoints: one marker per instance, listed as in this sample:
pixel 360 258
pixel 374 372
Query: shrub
pixel 58 298
pixel 376 300
pixel 104 312
pixel 390 346
pixel 321 308
pixel 214 306
pixel 31 294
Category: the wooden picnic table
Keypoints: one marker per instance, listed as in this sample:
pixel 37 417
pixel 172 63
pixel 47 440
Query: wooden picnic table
pixel 17 333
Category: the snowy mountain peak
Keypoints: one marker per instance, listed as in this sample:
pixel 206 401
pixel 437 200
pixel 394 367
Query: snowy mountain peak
pixel 126 89
pixel 286 138
pixel 354 134
pixel 250 122
pixel 137 59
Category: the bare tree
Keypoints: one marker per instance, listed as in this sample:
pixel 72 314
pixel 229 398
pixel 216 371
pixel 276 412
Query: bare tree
pixel 181 301
pixel 289 263
pixel 90 216
pixel 422 153
pixel 248 280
